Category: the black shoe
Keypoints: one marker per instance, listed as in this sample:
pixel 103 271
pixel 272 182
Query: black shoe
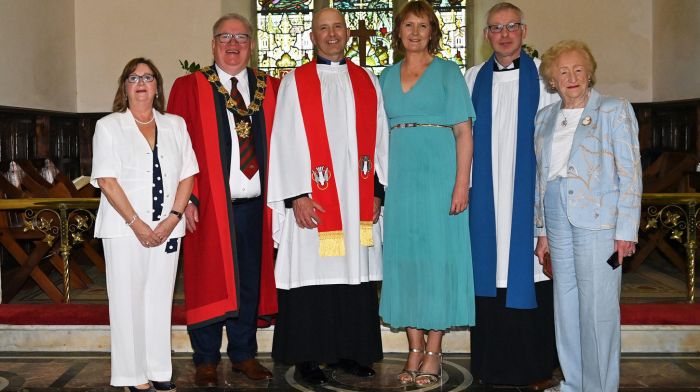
pixel 352 367
pixel 164 386
pixel 311 374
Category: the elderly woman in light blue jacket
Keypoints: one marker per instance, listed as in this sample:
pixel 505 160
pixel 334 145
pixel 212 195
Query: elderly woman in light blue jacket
pixel 587 208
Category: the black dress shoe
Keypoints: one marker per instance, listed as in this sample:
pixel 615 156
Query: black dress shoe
pixel 164 386
pixel 352 367
pixel 311 374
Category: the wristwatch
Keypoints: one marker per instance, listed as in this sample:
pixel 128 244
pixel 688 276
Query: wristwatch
pixel 178 214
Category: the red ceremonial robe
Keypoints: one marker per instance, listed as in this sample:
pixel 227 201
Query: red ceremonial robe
pixel 209 252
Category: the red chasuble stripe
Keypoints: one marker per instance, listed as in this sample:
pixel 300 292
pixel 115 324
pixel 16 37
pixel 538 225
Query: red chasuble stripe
pixel 324 189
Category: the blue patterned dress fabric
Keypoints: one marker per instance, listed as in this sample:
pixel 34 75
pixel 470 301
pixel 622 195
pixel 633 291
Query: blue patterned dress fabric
pixel 157 183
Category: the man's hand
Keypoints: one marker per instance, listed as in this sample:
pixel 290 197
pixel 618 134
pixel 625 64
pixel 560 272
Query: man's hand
pixel 191 217
pixel 305 212
pixel 541 248
pixel 377 209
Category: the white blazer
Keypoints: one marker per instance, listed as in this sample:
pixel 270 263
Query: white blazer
pixel 119 150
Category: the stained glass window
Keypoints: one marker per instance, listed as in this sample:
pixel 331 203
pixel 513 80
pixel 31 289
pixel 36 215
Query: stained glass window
pixel 284 26
pixel 283 34
pixel 452 16
pixel 370 29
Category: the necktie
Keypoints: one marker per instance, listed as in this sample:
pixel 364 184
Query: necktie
pixel 249 165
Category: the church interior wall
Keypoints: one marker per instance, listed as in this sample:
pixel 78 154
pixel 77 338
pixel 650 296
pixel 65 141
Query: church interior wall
pixel 110 33
pixel 38 54
pixel 676 55
pixel 620 34
pixel 66 54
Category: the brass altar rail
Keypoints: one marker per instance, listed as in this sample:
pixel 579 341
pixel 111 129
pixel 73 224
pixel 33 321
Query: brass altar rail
pixel 677 212
pixel 74 218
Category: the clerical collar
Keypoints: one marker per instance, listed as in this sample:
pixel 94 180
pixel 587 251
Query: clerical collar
pixel 497 67
pixel 325 61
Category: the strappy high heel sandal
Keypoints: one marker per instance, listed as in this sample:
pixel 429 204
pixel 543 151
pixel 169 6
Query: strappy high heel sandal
pixel 410 373
pixel 429 378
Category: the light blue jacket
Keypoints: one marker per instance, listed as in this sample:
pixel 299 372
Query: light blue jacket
pixel 603 186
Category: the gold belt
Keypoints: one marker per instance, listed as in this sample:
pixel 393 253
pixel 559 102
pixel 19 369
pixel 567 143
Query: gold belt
pixel 414 125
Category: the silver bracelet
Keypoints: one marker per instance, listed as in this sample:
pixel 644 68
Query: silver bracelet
pixel 133 219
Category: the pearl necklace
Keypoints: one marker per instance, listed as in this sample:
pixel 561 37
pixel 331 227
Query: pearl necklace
pixel 145 123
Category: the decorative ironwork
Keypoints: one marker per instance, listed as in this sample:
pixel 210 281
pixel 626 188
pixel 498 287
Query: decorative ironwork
pixel 678 213
pixel 63 219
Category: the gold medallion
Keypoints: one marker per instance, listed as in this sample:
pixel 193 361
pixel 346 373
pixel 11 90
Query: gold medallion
pixel 243 129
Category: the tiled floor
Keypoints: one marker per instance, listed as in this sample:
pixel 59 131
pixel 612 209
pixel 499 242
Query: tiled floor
pixel 90 372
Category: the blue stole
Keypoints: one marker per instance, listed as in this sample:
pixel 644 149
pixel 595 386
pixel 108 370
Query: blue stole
pixel 521 286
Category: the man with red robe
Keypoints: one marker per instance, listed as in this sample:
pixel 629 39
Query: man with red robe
pixel 228 254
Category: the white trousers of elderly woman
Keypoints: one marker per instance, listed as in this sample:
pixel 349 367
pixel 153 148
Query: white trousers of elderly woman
pixel 586 298
pixel 140 284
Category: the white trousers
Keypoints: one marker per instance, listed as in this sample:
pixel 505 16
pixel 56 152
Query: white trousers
pixel 140 284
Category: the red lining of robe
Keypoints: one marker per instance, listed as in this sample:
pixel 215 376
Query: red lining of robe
pixel 210 291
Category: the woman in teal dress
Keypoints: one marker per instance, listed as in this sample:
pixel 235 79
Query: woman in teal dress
pixel 428 286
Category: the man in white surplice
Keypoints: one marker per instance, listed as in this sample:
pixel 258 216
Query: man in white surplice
pixel 328 308
pixel 513 340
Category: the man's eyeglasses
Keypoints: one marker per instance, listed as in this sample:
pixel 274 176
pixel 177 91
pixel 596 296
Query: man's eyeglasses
pixel 147 78
pixel 511 27
pixel 225 38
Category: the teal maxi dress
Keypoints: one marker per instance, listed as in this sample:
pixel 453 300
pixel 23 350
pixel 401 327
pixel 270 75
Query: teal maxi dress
pixel 428 280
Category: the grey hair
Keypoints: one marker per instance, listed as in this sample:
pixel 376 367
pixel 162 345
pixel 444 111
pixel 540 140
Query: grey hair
pixel 505 6
pixel 232 16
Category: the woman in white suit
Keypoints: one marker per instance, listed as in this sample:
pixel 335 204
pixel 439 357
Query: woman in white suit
pixel 144 164
pixel 588 202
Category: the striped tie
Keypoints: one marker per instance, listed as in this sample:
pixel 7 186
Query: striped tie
pixel 244 131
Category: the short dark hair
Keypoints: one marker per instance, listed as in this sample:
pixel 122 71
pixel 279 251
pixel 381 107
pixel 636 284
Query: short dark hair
pixel 121 101
pixel 417 8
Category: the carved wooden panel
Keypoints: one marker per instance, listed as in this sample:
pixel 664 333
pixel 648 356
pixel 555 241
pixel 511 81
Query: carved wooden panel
pixel 668 127
pixel 65 138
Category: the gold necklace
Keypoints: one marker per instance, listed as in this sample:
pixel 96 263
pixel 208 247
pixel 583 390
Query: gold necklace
pixel 254 106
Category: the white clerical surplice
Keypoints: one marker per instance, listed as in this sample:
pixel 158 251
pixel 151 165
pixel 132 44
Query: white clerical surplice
pixel 504 120
pixel 298 262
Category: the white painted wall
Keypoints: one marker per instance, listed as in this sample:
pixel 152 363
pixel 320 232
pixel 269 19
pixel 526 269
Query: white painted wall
pixel 37 60
pixel 619 33
pixel 110 33
pixel 67 54
pixel 676 55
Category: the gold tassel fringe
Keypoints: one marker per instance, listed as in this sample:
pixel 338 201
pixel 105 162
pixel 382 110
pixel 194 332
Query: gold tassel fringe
pixel 366 238
pixel 332 243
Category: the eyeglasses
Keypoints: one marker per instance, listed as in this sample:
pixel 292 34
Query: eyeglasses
pixel 225 38
pixel 147 78
pixel 511 27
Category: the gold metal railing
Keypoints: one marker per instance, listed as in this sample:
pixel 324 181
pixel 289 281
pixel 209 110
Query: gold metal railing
pixel 677 212
pixel 63 218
